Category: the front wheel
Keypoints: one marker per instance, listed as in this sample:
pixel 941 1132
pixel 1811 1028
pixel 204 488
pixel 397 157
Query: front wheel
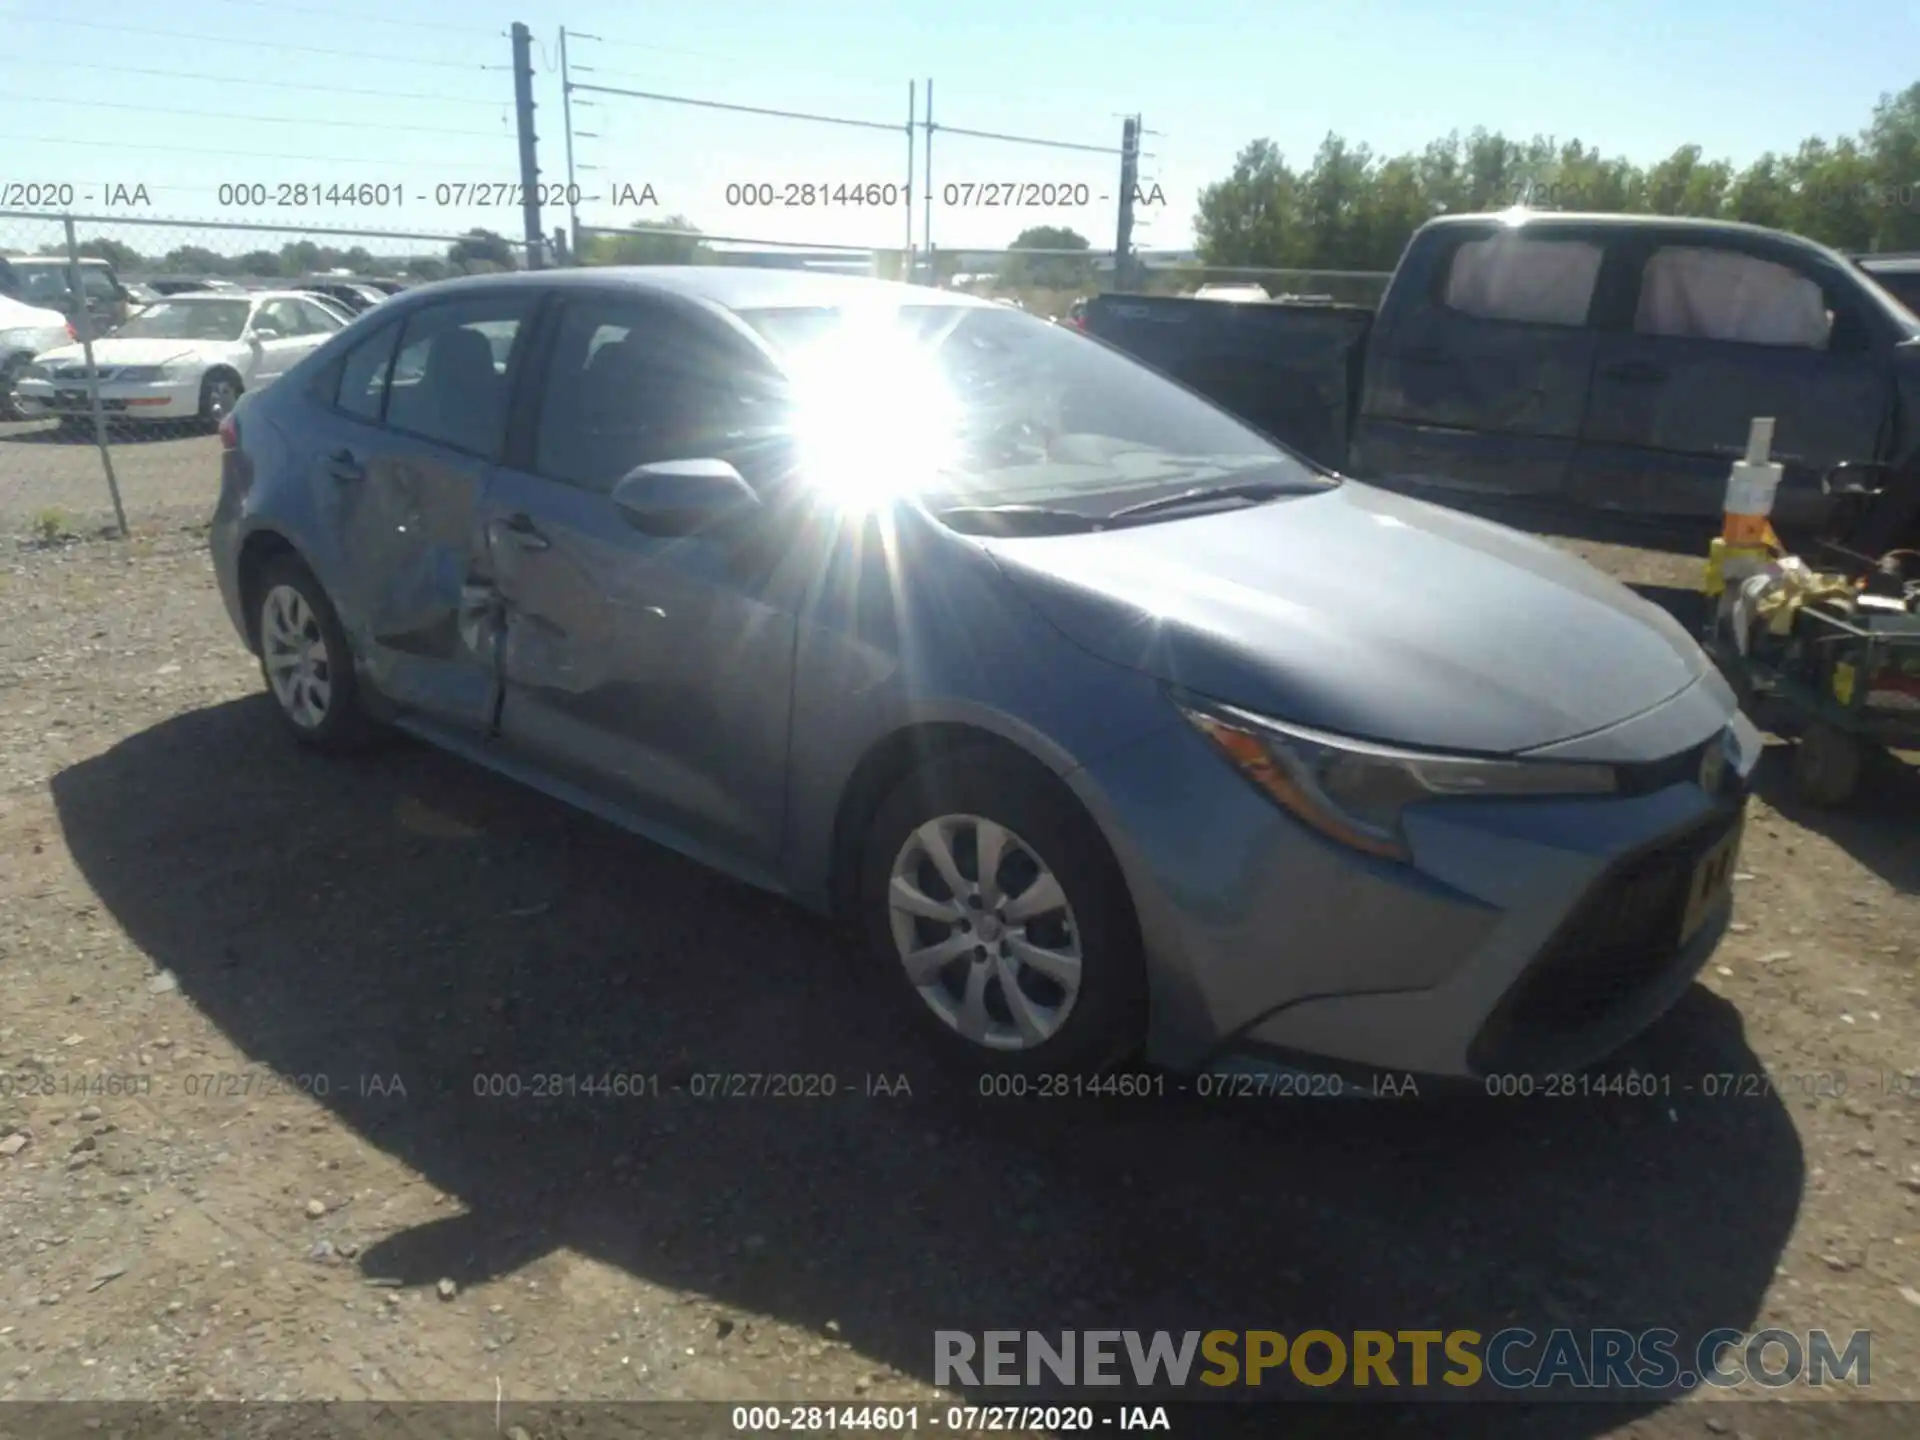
pixel 995 914
pixel 305 660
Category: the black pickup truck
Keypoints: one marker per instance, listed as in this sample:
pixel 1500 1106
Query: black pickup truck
pixel 1597 360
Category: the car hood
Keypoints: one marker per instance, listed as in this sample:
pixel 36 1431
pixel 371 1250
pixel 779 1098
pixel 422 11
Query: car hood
pixel 128 351
pixel 1368 614
pixel 18 315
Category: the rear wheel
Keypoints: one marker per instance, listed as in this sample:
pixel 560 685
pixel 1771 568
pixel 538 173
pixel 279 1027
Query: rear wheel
pixel 9 373
pixel 305 659
pixel 997 917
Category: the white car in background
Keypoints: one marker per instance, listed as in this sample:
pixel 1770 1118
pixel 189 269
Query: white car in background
pixel 181 358
pixel 1245 294
pixel 25 331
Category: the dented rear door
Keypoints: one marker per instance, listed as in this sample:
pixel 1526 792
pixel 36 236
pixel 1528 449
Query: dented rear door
pixel 405 461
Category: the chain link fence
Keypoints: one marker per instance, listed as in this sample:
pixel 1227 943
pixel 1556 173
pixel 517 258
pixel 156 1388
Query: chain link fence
pixel 123 341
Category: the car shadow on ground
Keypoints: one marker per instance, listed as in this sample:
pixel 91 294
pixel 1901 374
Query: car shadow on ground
pixel 1876 827
pixel 405 914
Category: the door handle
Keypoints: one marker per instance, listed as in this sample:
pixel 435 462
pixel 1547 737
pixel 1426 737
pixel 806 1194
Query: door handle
pixel 345 466
pixel 1635 372
pixel 524 533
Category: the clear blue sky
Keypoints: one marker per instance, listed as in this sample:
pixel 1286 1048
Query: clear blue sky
pixel 183 98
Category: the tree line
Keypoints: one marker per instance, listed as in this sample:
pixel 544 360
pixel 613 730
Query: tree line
pixel 1351 209
pixel 476 252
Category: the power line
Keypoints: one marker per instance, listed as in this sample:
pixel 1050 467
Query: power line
pixel 891 127
pixel 1027 140
pixel 276 84
pixel 245 154
pixel 410 127
pixel 654 49
pixel 64 23
pixel 357 19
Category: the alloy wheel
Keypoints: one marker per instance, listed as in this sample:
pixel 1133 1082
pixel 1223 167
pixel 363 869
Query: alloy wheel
pixel 985 932
pixel 295 654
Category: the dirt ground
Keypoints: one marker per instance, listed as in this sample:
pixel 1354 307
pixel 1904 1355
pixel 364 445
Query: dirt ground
pixel 247 996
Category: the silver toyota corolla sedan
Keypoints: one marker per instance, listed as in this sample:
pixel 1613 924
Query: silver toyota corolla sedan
pixel 1117 730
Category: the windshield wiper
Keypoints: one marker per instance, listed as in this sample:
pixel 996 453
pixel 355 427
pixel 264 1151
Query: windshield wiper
pixel 1016 520
pixel 1252 492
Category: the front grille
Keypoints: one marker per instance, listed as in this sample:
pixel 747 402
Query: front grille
pixel 79 372
pixel 1618 942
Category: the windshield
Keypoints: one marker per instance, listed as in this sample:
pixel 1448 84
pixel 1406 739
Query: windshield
pixel 184 319
pixel 42 284
pixel 988 406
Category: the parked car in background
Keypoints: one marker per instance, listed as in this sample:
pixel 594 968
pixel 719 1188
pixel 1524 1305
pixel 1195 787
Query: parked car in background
pixel 386 286
pixel 25 331
pixel 1253 293
pixel 183 285
pixel 1607 360
pixel 1112 726
pixel 330 305
pixel 183 357
pixel 43 281
pixel 354 296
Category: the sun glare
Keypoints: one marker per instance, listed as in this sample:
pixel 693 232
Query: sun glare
pixel 874 416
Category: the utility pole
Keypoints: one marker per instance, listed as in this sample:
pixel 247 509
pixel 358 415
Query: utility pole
pixel 1129 183
pixel 566 116
pixel 529 162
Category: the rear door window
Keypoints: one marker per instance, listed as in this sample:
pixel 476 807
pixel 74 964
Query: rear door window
pixel 449 379
pixel 1526 279
pixel 362 392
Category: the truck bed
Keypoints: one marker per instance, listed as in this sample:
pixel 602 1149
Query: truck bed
pixel 1290 369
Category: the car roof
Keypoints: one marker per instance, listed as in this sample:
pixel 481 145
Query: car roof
pixel 230 296
pixel 732 287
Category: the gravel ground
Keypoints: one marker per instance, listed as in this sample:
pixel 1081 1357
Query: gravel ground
pixel 304 965
pixel 167 475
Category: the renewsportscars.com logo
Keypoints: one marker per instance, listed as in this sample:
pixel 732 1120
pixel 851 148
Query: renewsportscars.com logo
pixel 1383 1362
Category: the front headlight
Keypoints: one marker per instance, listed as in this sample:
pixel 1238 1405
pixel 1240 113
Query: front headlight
pixel 35 371
pixel 1354 791
pixel 139 374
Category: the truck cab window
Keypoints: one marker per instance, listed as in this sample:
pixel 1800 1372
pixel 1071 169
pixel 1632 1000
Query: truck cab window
pixel 1704 293
pixel 1524 278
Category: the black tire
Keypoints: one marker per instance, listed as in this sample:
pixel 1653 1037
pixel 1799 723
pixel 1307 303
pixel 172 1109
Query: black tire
pixel 1827 763
pixel 219 392
pixel 1107 1020
pixel 344 726
pixel 9 374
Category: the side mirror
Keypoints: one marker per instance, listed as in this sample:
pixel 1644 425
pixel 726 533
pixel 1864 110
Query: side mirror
pixel 682 497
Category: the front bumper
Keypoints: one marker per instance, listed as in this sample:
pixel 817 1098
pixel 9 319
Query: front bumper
pixel 161 400
pixel 1534 935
